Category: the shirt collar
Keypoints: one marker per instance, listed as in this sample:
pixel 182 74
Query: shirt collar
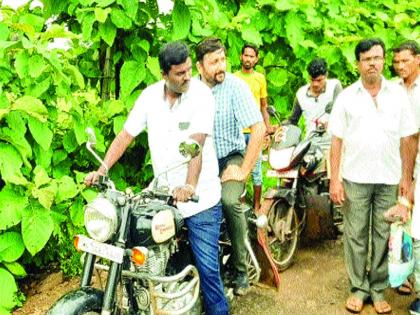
pixel 179 99
pixel 385 84
pixel 415 84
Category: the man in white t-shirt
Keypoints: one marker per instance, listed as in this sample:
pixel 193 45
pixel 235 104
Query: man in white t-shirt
pixel 406 63
pixel 172 110
pixel 374 136
pixel 316 98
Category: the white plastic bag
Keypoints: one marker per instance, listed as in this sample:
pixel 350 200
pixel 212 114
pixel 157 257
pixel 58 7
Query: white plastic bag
pixel 400 254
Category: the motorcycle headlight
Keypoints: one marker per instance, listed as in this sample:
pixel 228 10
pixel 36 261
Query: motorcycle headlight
pixel 101 220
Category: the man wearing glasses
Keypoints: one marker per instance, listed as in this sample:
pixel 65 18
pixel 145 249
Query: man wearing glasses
pixel 374 138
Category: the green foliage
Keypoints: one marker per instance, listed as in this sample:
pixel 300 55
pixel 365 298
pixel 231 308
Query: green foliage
pixel 49 96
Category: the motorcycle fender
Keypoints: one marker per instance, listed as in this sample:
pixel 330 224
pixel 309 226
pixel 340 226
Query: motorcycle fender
pixel 78 302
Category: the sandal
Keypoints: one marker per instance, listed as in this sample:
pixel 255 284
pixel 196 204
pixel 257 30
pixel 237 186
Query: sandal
pixel 382 307
pixel 354 304
pixel 405 289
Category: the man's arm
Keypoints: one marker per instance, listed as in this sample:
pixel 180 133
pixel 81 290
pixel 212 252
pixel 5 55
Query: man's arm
pixel 184 193
pixel 240 173
pixel 115 151
pixel 296 113
pixel 266 117
pixel 338 88
pixel 336 186
pixel 408 152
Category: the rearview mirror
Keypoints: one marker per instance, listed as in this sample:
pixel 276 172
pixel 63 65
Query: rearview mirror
pixel 271 110
pixel 189 149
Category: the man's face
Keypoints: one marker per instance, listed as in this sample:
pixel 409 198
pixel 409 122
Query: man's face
pixel 249 58
pixel 371 64
pixel 179 76
pixel 213 67
pixel 317 84
pixel 406 64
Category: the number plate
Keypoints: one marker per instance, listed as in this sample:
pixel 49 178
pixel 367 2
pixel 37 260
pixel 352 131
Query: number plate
pixel 285 174
pixel 100 249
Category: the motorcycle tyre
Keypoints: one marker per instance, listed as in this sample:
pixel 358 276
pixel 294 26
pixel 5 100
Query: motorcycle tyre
pixel 80 302
pixel 284 263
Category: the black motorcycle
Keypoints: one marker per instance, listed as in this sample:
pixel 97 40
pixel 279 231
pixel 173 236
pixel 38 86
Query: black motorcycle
pixel 140 242
pixel 300 200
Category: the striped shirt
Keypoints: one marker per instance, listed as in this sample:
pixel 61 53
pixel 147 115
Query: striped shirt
pixel 235 110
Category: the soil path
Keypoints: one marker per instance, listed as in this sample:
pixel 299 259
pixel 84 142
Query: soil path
pixel 315 284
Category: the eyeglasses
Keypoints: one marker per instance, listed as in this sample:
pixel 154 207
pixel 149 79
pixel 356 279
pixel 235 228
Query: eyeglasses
pixel 375 59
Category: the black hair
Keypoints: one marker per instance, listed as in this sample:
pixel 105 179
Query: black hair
pixel 317 67
pixel 252 46
pixel 366 44
pixel 173 53
pixel 208 45
pixel 410 45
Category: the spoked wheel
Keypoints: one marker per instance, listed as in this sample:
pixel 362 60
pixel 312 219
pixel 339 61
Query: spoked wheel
pixel 283 234
pixel 253 276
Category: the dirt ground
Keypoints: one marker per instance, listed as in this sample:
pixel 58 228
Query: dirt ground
pixel 315 284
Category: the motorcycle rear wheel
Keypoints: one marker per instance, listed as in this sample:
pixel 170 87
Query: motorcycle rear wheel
pixel 283 248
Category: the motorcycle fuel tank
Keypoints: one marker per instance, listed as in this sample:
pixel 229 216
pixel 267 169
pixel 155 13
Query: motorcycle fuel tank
pixel 154 224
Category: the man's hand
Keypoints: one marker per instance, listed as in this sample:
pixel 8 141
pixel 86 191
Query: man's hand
pixel 233 172
pixel 397 212
pixel 92 178
pixel 270 129
pixel 183 193
pixel 406 189
pixel 337 192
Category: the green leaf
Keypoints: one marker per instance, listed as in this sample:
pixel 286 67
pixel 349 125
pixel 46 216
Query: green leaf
pixel 37 66
pixel 294 32
pixel 87 25
pixel 37 226
pixel 104 3
pixel 181 20
pixel 77 212
pixel 10 165
pixel 4 32
pixel 132 74
pixel 41 176
pixel 8 290
pixel 70 142
pixel 251 35
pixel 101 14
pixel 42 157
pixel 107 31
pixel 120 20
pixel 46 195
pixel 11 246
pixel 76 75
pixel 39 88
pixel 80 130
pixel 277 77
pixel 32 106
pixel 113 107
pixel 153 65
pixel 57 31
pixel 35 21
pixel 41 133
pixel 118 124
pixel 130 7
pixel 11 205
pixel 22 64
pixel 15 268
pixel 67 189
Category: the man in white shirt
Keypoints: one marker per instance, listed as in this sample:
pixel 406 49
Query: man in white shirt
pixel 172 110
pixel 406 63
pixel 316 98
pixel 374 137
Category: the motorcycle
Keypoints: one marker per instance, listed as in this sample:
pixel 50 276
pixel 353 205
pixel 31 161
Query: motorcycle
pixel 140 242
pixel 300 200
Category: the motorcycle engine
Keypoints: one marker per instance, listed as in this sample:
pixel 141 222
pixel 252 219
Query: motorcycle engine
pixel 154 223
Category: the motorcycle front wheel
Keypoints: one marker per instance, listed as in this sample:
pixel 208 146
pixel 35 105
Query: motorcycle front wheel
pixel 283 233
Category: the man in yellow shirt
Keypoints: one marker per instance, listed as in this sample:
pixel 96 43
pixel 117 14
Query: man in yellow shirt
pixel 258 85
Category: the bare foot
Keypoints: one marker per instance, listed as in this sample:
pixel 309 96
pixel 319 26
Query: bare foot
pixel 354 304
pixel 382 307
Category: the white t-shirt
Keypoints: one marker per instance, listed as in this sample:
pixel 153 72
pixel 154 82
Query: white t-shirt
pixel 371 133
pixel 168 127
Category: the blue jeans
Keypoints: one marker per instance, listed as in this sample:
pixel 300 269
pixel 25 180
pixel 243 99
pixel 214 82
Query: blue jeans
pixel 257 170
pixel 203 234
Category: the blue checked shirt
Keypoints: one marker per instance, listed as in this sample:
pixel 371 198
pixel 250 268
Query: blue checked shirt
pixel 235 110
